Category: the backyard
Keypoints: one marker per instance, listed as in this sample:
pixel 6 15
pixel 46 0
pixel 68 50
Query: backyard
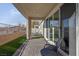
pixel 10 48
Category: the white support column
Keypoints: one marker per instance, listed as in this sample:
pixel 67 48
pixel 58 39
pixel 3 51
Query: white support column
pixel 28 29
pixel 27 36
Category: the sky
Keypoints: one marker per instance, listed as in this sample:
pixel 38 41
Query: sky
pixel 10 15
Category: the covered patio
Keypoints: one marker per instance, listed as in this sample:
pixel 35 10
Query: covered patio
pixel 38 12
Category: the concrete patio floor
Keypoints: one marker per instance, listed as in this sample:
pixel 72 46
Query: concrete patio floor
pixel 35 47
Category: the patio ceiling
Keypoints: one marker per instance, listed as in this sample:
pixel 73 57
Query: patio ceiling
pixel 35 11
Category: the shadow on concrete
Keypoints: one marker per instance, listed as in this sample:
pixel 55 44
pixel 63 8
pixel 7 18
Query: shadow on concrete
pixel 49 51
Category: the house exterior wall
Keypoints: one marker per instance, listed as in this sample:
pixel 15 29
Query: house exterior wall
pixel 48 29
pixel 73 32
pixel 72 35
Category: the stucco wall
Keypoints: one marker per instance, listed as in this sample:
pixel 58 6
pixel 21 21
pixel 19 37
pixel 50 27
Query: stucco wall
pixel 72 36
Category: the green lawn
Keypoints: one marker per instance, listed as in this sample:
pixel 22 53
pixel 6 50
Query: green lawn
pixel 9 48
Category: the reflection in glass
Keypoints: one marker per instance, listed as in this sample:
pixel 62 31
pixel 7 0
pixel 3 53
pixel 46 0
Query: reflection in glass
pixel 56 26
pixel 67 10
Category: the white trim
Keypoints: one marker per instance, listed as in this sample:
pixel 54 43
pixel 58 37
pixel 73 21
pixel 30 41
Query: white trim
pixel 49 41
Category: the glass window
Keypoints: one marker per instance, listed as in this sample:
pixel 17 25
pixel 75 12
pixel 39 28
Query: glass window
pixel 47 28
pixel 51 29
pixel 56 26
pixel 67 10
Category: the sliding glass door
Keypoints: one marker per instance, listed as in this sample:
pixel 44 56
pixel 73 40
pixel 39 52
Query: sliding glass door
pixel 54 27
pixel 68 27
